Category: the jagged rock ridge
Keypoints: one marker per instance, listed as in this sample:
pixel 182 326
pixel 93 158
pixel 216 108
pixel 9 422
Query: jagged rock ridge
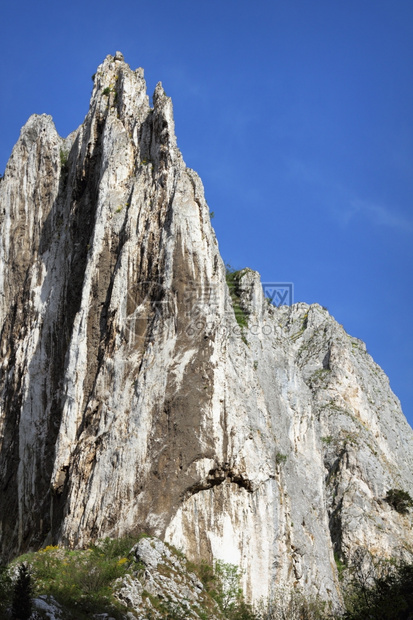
pixel 132 400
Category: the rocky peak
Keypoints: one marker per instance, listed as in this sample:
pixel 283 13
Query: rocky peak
pixel 140 392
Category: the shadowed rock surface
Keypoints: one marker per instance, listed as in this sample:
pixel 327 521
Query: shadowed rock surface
pixel 131 397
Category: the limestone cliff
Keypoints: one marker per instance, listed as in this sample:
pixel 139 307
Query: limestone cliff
pixel 132 399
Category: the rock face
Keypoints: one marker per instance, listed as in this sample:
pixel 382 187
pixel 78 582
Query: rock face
pixel 132 396
pixel 165 576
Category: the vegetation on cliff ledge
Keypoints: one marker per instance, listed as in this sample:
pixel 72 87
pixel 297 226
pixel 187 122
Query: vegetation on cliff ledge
pixel 80 584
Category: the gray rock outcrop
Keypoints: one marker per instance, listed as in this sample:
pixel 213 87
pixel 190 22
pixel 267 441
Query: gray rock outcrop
pixel 165 577
pixel 138 393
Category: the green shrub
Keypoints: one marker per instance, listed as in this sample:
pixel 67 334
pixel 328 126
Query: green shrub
pixel 222 582
pixel 327 440
pixel 399 500
pixel 5 590
pixel 280 458
pixel 386 597
pixel 227 589
pixel 116 548
pixel 205 573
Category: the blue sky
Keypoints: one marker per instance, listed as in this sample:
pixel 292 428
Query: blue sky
pixel 297 115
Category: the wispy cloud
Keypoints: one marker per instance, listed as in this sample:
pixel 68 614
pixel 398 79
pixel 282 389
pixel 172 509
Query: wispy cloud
pixel 340 201
pixel 379 214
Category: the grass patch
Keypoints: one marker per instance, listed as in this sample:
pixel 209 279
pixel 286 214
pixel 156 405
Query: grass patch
pixel 64 156
pixel 233 279
pixel 327 440
pixel 304 324
pixel 81 580
pixel 341 566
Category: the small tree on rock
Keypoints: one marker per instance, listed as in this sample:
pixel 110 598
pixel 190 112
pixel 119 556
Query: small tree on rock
pixel 22 595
